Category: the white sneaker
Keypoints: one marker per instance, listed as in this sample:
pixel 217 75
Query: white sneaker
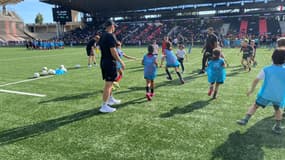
pixel 89 66
pixel 107 109
pixel 113 101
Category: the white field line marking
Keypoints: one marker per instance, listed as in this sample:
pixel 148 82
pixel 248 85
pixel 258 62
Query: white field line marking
pixel 22 93
pixel 27 80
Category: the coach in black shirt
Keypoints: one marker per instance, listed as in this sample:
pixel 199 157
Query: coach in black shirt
pixel 211 43
pixel 109 57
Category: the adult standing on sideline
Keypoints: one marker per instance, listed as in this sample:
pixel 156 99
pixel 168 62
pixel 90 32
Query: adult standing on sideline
pixel 109 57
pixel 211 43
pixel 90 47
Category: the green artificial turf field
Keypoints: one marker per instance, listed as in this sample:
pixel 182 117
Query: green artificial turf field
pixel 181 122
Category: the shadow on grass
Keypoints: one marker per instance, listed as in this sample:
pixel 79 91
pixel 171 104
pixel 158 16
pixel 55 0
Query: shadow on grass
pixel 249 145
pixel 174 82
pixel 71 97
pixel 186 109
pixel 21 133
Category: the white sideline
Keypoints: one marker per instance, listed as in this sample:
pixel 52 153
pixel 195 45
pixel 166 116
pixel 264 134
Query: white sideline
pixel 27 80
pixel 22 93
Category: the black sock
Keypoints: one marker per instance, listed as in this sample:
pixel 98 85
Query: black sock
pixel 166 70
pixel 152 90
pixel 147 89
pixel 179 75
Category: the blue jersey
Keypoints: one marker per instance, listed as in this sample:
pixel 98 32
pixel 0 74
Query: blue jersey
pixel 273 87
pixel 216 71
pixel 150 68
pixel 171 59
pixel 121 54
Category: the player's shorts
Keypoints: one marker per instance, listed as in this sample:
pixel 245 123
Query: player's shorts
pixel 109 70
pixel 89 52
pixel 264 102
pixel 245 56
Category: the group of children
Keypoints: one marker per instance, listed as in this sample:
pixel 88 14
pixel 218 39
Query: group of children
pixel 272 91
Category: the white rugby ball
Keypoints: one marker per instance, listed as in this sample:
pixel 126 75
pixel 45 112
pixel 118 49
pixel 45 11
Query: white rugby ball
pixel 36 75
pixel 51 72
pixel 44 73
pixel 44 69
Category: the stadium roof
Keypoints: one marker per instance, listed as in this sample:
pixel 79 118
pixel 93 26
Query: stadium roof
pixel 4 2
pixel 93 6
pixel 111 8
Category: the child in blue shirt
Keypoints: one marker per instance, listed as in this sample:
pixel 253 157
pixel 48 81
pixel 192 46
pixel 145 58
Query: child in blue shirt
pixel 272 91
pixel 216 72
pixel 150 70
pixel 171 62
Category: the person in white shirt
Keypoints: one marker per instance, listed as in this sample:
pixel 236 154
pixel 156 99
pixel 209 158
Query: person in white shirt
pixel 181 54
pixel 155 47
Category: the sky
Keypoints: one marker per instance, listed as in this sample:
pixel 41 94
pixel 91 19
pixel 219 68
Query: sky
pixel 28 9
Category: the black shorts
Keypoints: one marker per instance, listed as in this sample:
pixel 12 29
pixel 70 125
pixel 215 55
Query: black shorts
pixel 109 70
pixel 89 52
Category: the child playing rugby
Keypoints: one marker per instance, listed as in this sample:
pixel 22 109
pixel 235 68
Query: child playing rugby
pixel 181 54
pixel 216 72
pixel 247 54
pixel 171 62
pixel 272 91
pixel 150 70
pixel 119 66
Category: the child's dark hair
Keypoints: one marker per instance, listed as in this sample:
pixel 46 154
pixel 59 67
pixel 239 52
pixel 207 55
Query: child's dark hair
pixel 281 42
pixel 278 56
pixel 216 53
pixel 169 45
pixel 150 49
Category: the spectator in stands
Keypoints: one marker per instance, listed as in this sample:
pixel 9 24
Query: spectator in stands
pixel 90 50
pixel 109 57
pixel 211 43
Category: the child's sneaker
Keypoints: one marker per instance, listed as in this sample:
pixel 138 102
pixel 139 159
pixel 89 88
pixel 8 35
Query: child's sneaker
pixel 168 78
pixel 242 122
pixel 89 66
pixel 182 81
pixel 152 94
pixel 148 96
pixel 210 91
pixel 276 129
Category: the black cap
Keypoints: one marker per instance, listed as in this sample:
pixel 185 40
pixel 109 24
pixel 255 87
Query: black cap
pixel 109 23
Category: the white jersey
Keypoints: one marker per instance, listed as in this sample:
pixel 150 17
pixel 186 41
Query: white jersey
pixel 156 48
pixel 181 53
